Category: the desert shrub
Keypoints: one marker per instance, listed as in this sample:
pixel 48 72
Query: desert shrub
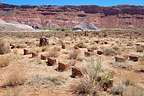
pixel 85 88
pixel 141 61
pixel 74 54
pixel 44 48
pixel 54 52
pixel 4 46
pixel 14 92
pixel 15 75
pixel 4 61
pixel 93 81
pixel 62 44
pixel 44 81
pixel 133 91
pixel 128 82
pixel 109 52
pixel 127 90
pixel 116 48
pixel 118 89
pixel 20 45
pixel 81 45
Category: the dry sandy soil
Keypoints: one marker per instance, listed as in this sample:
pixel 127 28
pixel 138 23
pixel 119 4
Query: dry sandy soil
pixel 37 72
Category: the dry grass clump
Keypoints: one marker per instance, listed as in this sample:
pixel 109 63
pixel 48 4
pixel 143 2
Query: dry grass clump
pixel 118 89
pixel 81 45
pixel 14 76
pixel 44 81
pixel 141 61
pixel 133 91
pixel 4 61
pixel 127 88
pixel 54 52
pixel 139 48
pixel 14 92
pixel 44 48
pixel 4 46
pixel 109 52
pixel 74 54
pixel 94 81
pixel 62 44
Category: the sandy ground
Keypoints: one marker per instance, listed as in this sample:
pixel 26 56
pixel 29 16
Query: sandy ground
pixel 43 80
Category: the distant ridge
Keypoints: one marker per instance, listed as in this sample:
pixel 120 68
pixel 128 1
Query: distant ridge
pixel 112 10
pixel 68 16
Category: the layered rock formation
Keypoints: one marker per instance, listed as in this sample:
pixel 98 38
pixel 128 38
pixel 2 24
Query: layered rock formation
pixel 68 16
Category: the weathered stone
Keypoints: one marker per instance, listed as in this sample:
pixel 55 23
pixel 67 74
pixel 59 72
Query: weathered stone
pixel 133 58
pixel 62 67
pixel 76 72
pixel 99 52
pixel 97 41
pixel 90 50
pixel 120 59
pixel 43 57
pixel 12 46
pixel 34 54
pixel 51 61
pixel 87 54
pixel 26 52
pixel 140 70
pixel 139 48
pixel 63 46
pixel 105 42
pixel 43 41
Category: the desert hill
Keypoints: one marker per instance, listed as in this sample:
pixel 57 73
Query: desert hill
pixel 121 16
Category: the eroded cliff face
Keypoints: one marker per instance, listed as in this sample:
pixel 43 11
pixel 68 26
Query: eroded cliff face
pixel 68 16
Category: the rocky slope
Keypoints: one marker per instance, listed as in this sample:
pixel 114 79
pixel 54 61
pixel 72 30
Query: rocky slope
pixel 122 16
pixel 14 26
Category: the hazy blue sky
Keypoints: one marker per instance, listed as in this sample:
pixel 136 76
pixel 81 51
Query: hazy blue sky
pixel 74 2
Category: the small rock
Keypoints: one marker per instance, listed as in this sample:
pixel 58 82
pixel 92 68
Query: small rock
pixel 99 52
pixel 62 67
pixel 76 72
pixel 12 46
pixel 133 58
pixel 140 70
pixel 43 41
pixel 105 42
pixel 139 48
pixel 120 59
pixel 43 57
pixel 63 46
pixel 90 50
pixel 96 41
pixel 87 54
pixel 26 52
pixel 51 61
pixel 34 54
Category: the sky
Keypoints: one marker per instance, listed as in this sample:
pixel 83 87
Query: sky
pixel 74 2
